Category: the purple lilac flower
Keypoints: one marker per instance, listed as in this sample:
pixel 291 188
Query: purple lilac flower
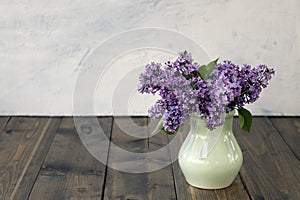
pixel 252 81
pixel 151 79
pixel 218 91
pixel 242 85
pixel 183 92
pixel 172 112
pixel 177 101
pixel 157 110
pixel 184 63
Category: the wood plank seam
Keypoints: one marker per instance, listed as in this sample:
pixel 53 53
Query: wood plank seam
pixel 173 174
pixel 271 170
pixel 120 184
pixel 106 165
pixel 245 185
pixel 181 189
pixel 274 127
pixel 5 125
pixel 69 170
pixel 148 120
pixel 30 159
pixel 43 160
pixel 9 119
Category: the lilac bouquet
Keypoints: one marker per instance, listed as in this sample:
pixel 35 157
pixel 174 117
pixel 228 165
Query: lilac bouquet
pixel 210 90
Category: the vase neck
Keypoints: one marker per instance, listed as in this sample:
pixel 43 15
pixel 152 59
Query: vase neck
pixel 199 124
pixel 228 122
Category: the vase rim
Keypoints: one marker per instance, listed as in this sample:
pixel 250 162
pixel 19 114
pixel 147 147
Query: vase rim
pixel 230 114
pixel 227 115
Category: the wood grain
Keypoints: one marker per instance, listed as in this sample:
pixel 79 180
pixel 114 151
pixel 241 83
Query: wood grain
pixel 161 181
pixel 20 144
pixel 289 129
pixel 151 185
pixel 26 183
pixel 70 171
pixel 3 123
pixel 270 169
pixel 121 185
pixel 43 158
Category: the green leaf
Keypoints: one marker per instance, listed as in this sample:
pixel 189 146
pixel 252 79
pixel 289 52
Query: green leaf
pixel 168 132
pixel 193 85
pixel 202 71
pixel 245 119
pixel 159 127
pixel 213 63
pixel 205 70
pixel 245 91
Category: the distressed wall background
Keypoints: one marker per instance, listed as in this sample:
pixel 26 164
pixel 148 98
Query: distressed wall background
pixel 44 43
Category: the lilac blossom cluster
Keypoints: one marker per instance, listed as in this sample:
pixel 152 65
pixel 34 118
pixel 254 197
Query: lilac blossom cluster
pixel 183 92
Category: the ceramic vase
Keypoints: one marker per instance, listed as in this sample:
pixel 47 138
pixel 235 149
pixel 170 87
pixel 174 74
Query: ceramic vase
pixel 210 159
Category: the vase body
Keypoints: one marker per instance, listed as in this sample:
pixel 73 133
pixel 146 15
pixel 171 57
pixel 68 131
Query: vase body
pixel 210 159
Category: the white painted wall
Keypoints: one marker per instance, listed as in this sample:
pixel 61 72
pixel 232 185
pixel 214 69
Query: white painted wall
pixel 45 43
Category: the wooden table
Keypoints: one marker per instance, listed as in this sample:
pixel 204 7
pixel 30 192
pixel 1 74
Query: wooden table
pixel 43 158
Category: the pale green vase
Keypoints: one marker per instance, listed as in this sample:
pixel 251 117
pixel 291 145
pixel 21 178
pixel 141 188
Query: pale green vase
pixel 210 159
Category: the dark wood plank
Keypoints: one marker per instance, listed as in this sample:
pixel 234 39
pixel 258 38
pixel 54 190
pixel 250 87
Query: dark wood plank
pixel 122 185
pixel 3 123
pixel 152 185
pixel 185 191
pixel 161 181
pixel 270 169
pixel 69 170
pixel 30 175
pixel 289 129
pixel 20 144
